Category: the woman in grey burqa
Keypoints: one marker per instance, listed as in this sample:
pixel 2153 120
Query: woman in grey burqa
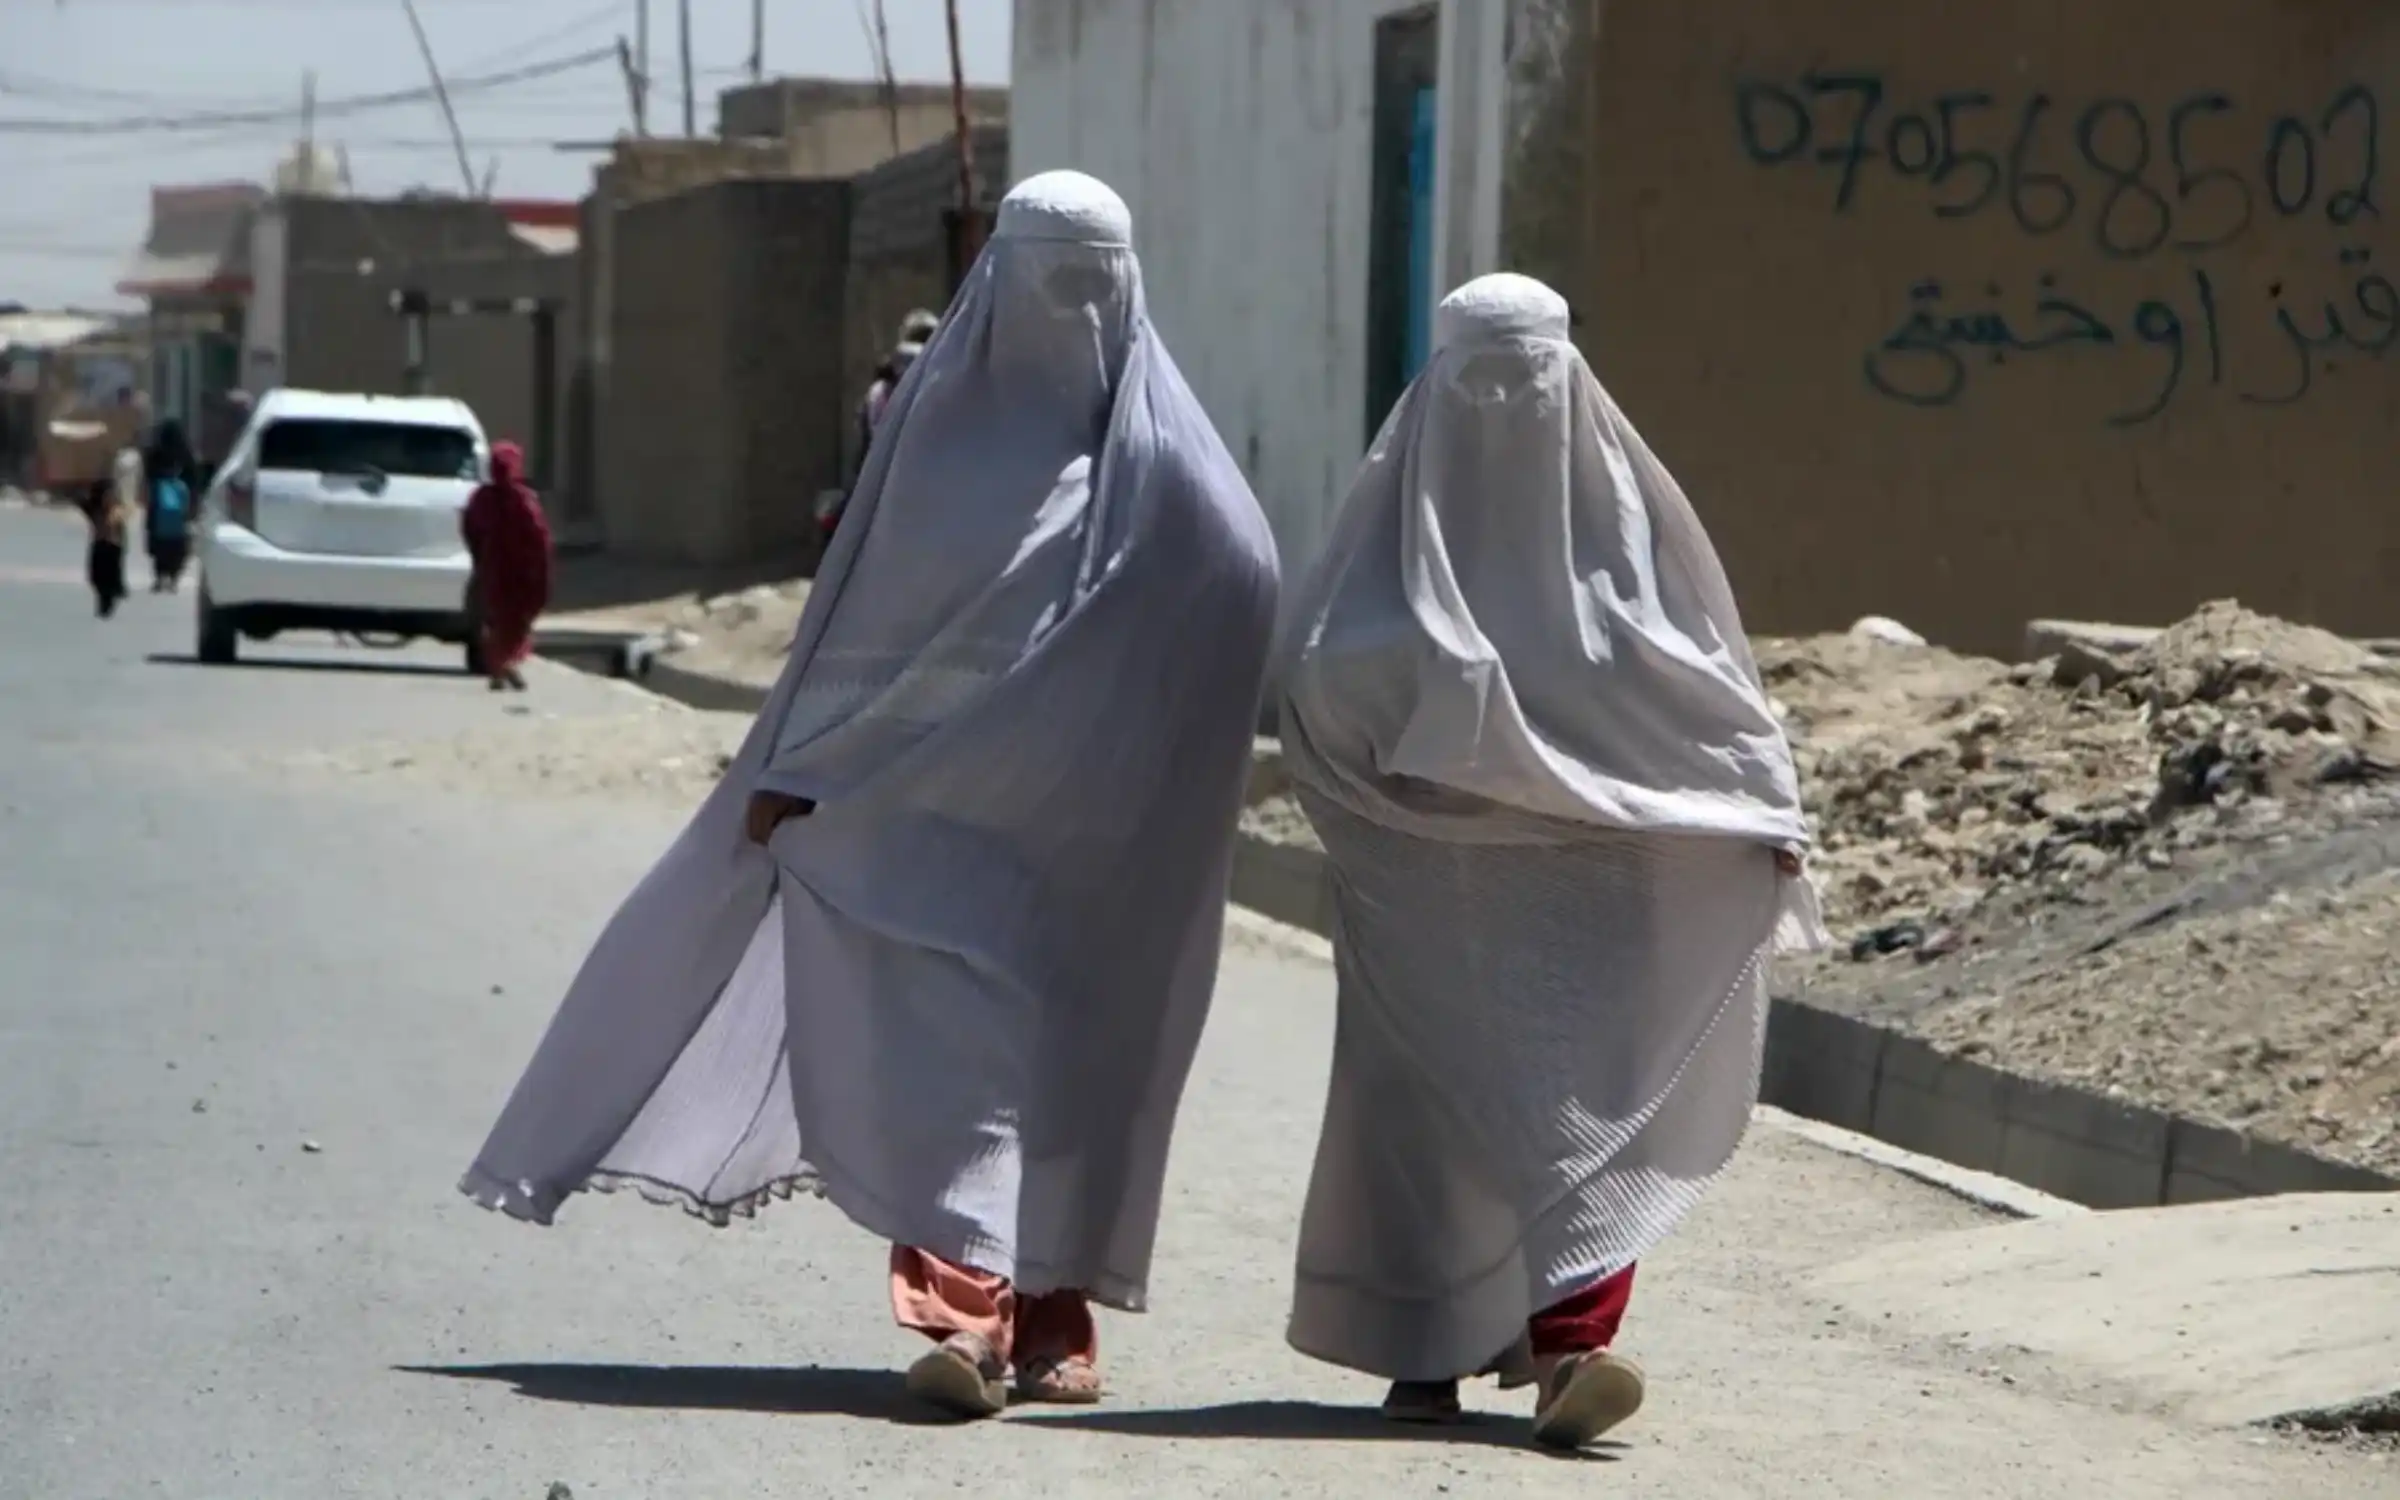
pixel 940 946
pixel 1566 835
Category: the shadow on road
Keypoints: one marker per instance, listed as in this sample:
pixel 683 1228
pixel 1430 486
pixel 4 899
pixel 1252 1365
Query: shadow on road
pixel 879 1395
pixel 1311 1421
pixel 361 668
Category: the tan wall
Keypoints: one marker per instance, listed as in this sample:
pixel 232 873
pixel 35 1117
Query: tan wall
pixel 838 128
pixel 2116 411
pixel 724 404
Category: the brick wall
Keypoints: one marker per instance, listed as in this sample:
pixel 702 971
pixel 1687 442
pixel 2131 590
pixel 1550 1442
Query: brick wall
pixel 899 254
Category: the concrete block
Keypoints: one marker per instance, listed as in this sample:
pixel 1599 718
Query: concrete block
pixel 2081 1114
pixel 2082 1145
pixel 1287 884
pixel 1821 1065
pixel 2210 1162
pixel 2092 637
pixel 1939 1106
pixel 701 690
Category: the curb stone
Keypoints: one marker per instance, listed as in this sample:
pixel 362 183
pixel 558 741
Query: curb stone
pixel 1247 929
pixel 2056 1138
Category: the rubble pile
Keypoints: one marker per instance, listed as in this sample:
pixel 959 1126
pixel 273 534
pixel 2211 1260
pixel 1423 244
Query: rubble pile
pixel 1937 780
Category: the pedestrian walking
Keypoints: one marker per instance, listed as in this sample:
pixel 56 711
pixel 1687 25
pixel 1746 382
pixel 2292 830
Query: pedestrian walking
pixel 166 475
pixel 508 539
pixel 1566 835
pixel 916 330
pixel 110 517
pixel 940 945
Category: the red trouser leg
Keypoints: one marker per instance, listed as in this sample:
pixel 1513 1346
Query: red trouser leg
pixel 937 1299
pixel 1586 1321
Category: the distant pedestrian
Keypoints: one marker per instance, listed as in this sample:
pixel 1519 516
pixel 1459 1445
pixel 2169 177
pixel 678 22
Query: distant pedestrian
pixel 1566 836
pixel 110 516
pixel 916 331
pixel 167 481
pixel 941 944
pixel 508 538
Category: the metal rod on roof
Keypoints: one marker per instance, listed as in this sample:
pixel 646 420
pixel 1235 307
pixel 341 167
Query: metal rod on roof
pixel 633 88
pixel 758 40
pixel 641 66
pixel 683 26
pixel 958 110
pixel 441 93
pixel 884 75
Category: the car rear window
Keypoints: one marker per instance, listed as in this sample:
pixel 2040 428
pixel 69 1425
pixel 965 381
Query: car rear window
pixel 319 445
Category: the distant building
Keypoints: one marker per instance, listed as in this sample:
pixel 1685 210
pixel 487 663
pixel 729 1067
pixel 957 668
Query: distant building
pixel 324 270
pixel 839 127
pixel 193 270
pixel 82 369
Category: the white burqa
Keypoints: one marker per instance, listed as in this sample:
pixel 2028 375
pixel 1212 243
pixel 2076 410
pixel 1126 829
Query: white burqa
pixel 961 998
pixel 1523 716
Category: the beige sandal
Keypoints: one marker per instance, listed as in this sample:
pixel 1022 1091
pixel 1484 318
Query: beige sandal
pixel 1584 1396
pixel 960 1376
pixel 1055 1381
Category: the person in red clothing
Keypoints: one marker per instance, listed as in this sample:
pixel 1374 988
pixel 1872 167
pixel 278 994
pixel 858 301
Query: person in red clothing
pixel 509 539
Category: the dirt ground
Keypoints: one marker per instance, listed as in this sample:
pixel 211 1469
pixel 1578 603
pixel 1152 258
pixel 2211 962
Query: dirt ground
pixel 2171 871
pixel 655 750
pixel 736 625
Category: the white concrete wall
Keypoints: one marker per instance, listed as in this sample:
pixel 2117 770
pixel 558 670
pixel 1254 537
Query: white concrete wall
pixel 1241 133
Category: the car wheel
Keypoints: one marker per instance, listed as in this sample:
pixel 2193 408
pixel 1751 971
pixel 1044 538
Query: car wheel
pixel 219 642
pixel 476 665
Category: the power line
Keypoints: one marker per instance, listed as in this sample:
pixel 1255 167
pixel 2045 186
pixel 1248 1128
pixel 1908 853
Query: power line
pixel 329 108
pixel 606 16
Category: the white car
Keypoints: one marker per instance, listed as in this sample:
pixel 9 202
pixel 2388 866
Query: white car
pixel 340 513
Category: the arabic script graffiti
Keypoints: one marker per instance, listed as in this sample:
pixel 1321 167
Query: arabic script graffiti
pixel 2136 184
pixel 1929 358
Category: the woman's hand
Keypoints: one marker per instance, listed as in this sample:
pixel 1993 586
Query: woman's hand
pixel 770 810
pixel 1788 861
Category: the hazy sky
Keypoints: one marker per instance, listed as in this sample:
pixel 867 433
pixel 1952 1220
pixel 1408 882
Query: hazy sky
pixel 73 208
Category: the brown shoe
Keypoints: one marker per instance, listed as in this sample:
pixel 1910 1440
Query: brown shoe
pixel 1051 1381
pixel 1584 1396
pixel 961 1376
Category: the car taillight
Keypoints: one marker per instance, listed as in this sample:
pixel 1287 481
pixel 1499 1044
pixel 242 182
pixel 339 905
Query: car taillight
pixel 241 505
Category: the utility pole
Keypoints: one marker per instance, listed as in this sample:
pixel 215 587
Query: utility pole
pixel 758 40
pixel 966 133
pixel 641 65
pixel 683 26
pixel 441 93
pixel 883 72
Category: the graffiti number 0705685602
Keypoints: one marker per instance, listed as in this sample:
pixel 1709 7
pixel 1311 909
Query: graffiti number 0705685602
pixel 2166 179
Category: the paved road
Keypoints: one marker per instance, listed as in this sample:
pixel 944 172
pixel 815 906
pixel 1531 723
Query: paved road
pixel 212 958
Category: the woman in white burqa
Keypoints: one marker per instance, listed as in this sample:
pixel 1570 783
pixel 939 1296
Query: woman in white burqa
pixel 1566 835
pixel 941 944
